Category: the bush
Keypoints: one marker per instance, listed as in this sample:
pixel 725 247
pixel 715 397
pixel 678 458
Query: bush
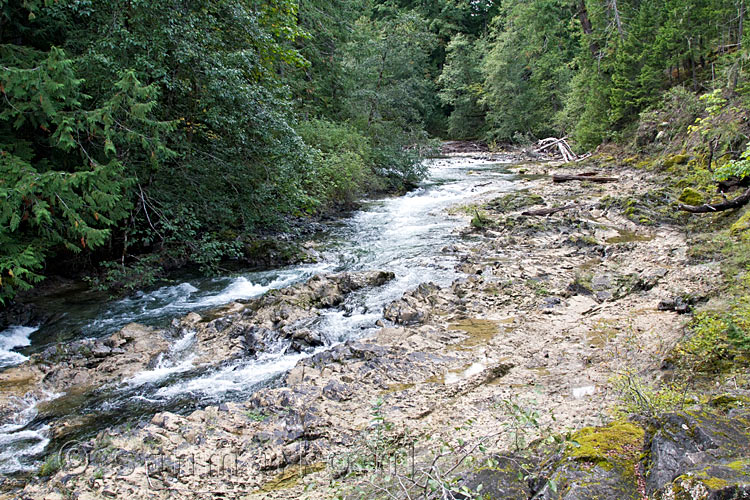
pixel 720 339
pixel 341 163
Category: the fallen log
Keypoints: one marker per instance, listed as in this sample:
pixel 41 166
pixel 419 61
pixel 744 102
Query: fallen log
pixel 582 177
pixel 738 202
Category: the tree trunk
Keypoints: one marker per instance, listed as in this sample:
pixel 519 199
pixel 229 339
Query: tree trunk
pixel 588 29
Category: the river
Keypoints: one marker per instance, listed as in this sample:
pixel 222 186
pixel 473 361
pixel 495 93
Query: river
pixel 405 235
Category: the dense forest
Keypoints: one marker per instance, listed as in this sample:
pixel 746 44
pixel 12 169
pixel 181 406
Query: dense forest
pixel 138 136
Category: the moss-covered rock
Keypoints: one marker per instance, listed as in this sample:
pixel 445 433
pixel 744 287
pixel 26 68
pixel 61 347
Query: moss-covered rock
pixel 742 226
pixel 699 455
pixel 618 443
pixel 515 201
pixel 690 196
pixel 671 161
pixel 603 465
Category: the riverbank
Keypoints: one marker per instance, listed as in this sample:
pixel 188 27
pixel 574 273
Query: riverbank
pixel 552 322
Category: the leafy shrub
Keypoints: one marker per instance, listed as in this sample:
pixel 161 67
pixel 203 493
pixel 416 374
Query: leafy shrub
pixel 341 163
pixel 719 340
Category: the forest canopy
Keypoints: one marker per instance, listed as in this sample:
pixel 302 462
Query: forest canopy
pixel 142 135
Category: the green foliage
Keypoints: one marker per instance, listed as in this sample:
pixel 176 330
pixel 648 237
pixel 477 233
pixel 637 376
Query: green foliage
pixel 460 88
pixel 639 397
pixel 207 145
pixel 526 69
pixel 51 465
pixel 739 168
pixel 64 160
pixel 719 339
pixel 342 166
pixel 523 420
pixel 140 273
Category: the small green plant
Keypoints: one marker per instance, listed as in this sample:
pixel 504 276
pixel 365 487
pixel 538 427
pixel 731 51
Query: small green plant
pixel 51 465
pixel 256 415
pixel 719 339
pixel 523 421
pixel 479 221
pixel 641 398
pixel 539 287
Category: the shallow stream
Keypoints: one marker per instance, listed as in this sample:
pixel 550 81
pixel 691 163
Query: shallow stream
pixel 405 235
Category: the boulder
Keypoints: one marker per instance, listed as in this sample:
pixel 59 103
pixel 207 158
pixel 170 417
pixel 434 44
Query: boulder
pixel 701 455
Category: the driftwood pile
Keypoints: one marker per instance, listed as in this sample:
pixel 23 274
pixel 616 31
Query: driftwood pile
pixel 553 146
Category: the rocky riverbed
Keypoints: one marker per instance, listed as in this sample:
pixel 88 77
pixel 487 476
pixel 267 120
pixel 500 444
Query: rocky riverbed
pixel 551 314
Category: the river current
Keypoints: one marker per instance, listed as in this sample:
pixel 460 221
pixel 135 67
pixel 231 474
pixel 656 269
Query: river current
pixel 405 235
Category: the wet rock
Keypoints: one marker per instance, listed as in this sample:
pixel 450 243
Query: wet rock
pixel 414 307
pixel 680 305
pixel 582 481
pixel 307 338
pixel 401 313
pixel 601 282
pixel 550 302
pixel 101 351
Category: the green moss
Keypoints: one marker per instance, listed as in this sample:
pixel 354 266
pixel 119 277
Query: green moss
pixel 728 401
pixel 691 196
pixel 515 201
pixel 619 444
pixel 740 465
pixel 715 483
pixel 50 466
pixel 671 161
pixel 742 226
pixel 645 165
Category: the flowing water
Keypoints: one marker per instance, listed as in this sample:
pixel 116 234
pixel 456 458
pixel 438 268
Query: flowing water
pixel 404 235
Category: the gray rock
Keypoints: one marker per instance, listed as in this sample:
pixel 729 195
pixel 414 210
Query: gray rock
pixel 700 453
pixel 100 350
pixel 584 481
pixel 337 391
pixel 504 481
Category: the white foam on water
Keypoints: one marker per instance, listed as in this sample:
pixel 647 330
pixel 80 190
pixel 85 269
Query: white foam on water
pixel 18 443
pixel 235 377
pixel 21 445
pixel 12 338
pixel 160 372
pixel 170 301
pixel 178 359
